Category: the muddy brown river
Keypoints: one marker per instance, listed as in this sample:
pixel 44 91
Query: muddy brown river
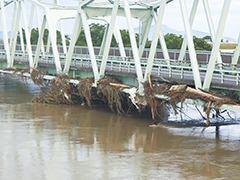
pixel 40 141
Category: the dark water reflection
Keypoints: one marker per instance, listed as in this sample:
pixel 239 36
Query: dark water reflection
pixel 40 141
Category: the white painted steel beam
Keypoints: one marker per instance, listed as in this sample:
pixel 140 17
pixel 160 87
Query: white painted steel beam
pixel 4 30
pixel 118 37
pixel 27 35
pixel 40 42
pixel 237 52
pixel 54 12
pixel 144 36
pixel 52 33
pixel 133 43
pixel 216 45
pixel 62 33
pixel 109 39
pixel 53 16
pixel 14 43
pixel 75 34
pixel 211 27
pixel 13 24
pixel 21 39
pixel 104 39
pixel 155 39
pixel 192 53
pixel 162 42
pixel 89 42
pixel 39 27
pixel 191 19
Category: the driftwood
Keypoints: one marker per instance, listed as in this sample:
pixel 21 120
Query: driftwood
pixel 114 84
pixel 203 94
pixel 176 88
pixel 152 100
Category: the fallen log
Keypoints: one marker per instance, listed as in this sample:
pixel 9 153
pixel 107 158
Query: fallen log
pixel 203 94
pixel 114 84
pixel 152 101
pixel 176 88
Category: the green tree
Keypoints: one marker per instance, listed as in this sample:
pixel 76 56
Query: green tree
pixel 35 35
pixel 201 44
pixel 207 38
pixel 173 41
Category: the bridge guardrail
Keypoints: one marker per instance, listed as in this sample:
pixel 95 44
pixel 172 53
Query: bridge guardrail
pixel 182 69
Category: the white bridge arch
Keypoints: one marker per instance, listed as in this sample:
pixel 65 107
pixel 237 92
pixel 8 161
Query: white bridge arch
pixel 147 11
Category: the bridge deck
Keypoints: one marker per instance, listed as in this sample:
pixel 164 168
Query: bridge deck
pixel 226 76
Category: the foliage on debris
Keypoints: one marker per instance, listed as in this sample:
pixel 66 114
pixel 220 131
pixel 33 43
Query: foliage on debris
pixel 85 89
pixel 58 92
pixel 111 95
pixel 108 91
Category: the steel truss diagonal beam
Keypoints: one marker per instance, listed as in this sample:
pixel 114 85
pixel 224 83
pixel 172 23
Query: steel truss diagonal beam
pixel 237 52
pixel 5 35
pixel 75 34
pixel 109 39
pixel 211 27
pixel 192 53
pixel 191 19
pixel 155 39
pixel 133 43
pixel 89 42
pixel 28 14
pixel 216 45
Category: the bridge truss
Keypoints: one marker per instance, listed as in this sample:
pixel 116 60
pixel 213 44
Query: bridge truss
pixel 49 13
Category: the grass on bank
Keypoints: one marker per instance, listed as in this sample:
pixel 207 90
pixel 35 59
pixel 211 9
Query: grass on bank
pixel 227 45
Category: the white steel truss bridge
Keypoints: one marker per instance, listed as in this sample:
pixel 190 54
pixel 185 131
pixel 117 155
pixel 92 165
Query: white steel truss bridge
pixel 26 14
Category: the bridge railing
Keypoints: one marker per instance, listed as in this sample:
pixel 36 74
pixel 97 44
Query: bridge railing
pixel 202 56
pixel 172 68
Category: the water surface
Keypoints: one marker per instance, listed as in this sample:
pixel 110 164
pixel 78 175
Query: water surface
pixel 40 141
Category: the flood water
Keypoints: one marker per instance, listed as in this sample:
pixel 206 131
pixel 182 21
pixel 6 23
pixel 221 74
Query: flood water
pixel 40 141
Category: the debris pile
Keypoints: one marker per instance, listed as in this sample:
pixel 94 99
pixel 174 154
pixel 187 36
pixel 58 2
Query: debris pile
pixel 109 91
pixel 59 92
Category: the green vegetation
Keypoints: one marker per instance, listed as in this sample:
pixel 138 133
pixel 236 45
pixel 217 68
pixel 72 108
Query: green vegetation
pixel 228 46
pixel 97 32
pixel 35 34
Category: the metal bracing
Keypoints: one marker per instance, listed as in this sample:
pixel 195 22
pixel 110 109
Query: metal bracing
pixel 134 45
pixel 39 27
pixel 89 41
pixel 237 52
pixel 53 16
pixel 155 39
pixel 119 40
pixel 13 23
pixel 104 39
pixel 4 29
pixel 62 32
pixel 108 39
pixel 192 53
pixel 191 19
pixel 216 45
pixel 211 27
pixel 162 42
pixel 21 39
pixel 52 33
pixel 27 35
pixel 40 42
pixel 144 37
pixel 53 12
pixel 13 47
pixel 75 34
pixel 48 44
